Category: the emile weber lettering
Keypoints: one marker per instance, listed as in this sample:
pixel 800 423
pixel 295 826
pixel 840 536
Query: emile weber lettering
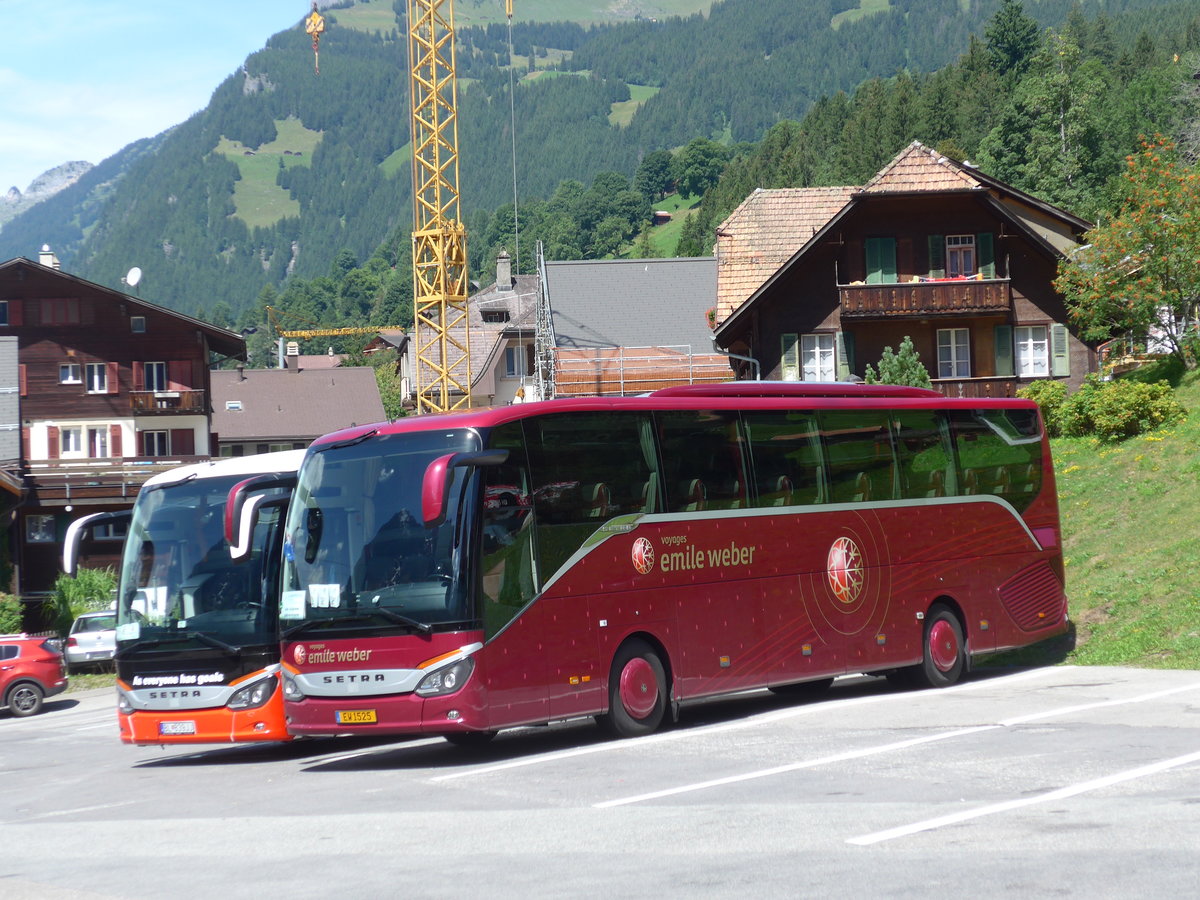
pixel 691 557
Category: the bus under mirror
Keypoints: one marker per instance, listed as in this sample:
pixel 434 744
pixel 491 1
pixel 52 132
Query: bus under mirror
pixel 435 489
pixel 75 532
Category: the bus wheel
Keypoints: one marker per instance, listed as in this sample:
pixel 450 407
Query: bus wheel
pixel 804 690
pixel 471 740
pixel 637 691
pixel 945 650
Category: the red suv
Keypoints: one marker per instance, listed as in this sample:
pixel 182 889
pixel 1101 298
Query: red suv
pixel 31 669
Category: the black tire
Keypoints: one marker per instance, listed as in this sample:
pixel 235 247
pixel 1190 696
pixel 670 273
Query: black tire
pixel 804 690
pixel 25 699
pixel 637 691
pixel 945 651
pixel 471 740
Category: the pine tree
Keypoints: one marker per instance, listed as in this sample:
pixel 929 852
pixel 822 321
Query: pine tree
pixel 904 367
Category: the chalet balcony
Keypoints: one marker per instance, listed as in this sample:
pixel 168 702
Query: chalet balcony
pixel 92 481
pixel 927 298
pixel 152 403
pixel 976 388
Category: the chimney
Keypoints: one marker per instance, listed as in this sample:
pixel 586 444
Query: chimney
pixel 241 370
pixel 504 280
pixel 47 258
pixel 293 352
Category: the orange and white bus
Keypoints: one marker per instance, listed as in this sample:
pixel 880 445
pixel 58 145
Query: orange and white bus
pixel 197 631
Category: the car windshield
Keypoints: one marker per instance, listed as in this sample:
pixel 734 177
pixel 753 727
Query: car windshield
pixel 178 582
pixel 105 622
pixel 356 551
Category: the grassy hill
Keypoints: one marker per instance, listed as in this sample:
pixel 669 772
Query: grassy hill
pixel 1129 515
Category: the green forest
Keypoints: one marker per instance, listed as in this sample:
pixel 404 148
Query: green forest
pixel 292 190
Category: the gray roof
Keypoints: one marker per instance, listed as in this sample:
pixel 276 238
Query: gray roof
pixel 633 302
pixel 282 404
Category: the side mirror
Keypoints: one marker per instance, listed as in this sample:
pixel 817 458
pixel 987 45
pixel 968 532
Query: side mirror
pixel 242 507
pixel 435 488
pixel 74 537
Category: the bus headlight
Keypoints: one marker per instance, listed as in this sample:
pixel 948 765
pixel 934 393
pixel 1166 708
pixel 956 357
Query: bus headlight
pixel 446 680
pixel 124 706
pixel 253 695
pixel 291 690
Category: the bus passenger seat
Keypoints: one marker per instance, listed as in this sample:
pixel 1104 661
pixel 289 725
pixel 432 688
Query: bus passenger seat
pixel 862 488
pixel 596 499
pixel 970 481
pixel 778 491
pixel 998 480
pixel 692 495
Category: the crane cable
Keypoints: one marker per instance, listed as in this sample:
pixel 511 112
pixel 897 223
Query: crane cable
pixel 512 118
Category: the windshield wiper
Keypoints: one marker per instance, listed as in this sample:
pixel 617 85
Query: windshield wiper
pixel 170 484
pixel 398 619
pixel 179 637
pixel 349 442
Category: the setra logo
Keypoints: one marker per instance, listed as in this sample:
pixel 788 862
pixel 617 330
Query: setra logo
pixel 845 570
pixel 299 654
pixel 643 556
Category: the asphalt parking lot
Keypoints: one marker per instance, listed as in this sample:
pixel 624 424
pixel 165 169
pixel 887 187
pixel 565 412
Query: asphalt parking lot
pixel 1061 781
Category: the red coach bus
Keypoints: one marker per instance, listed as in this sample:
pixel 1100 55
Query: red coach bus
pixel 618 557
pixel 197 642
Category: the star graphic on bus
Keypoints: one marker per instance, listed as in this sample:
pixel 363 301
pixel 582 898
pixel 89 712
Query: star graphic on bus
pixel 643 556
pixel 844 566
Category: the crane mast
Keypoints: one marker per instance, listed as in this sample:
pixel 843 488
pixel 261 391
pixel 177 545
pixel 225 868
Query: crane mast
pixel 443 357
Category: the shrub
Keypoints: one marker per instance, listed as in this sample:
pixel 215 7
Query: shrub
pixel 1049 395
pixel 900 368
pixel 89 590
pixel 10 614
pixel 1119 409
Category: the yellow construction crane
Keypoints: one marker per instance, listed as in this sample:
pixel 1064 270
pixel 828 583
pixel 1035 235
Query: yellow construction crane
pixel 274 316
pixel 443 355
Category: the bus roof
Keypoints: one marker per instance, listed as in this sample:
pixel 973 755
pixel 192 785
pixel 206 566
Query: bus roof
pixel 729 396
pixel 255 464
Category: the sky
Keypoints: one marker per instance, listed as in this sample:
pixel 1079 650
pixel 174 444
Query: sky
pixel 80 79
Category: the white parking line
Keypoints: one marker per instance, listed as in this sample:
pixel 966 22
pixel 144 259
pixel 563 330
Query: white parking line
pixel 1071 791
pixel 887 748
pixel 792 767
pixel 749 722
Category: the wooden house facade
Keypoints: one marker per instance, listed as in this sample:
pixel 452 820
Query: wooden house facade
pixel 112 390
pixel 931 249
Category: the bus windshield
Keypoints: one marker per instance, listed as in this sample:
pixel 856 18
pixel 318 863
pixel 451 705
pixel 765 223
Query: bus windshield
pixel 178 583
pixel 357 554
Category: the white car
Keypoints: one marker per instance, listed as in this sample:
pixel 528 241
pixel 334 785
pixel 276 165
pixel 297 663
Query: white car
pixel 92 641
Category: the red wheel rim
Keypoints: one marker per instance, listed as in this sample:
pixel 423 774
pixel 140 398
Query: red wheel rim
pixel 638 688
pixel 943 645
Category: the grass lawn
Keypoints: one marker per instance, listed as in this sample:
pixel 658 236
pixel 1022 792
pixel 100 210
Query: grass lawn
pixel 622 113
pixel 864 8
pixel 365 15
pixel 483 12
pixel 1129 526
pixel 259 201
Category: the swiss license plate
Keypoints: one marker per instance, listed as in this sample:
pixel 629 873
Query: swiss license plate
pixel 356 716
pixel 176 727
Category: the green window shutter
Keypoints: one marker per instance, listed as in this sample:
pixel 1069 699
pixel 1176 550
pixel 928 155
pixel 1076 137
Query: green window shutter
pixel 937 256
pixel 881 260
pixel 1060 350
pixel 789 357
pixel 845 355
pixel 987 256
pixel 1002 335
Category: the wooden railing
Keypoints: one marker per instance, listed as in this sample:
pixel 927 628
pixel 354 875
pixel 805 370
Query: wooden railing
pixel 950 297
pixel 154 402
pixel 976 388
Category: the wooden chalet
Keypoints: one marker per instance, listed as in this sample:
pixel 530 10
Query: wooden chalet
pixel 112 389
pixel 814 283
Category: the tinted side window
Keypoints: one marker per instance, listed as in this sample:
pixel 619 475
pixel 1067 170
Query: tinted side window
pixel 785 448
pixel 999 452
pixel 924 454
pixel 702 461
pixel 858 452
pixel 9 651
pixel 507 569
pixel 585 469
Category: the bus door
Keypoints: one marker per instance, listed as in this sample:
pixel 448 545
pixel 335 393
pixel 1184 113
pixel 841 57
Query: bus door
pixel 514 663
pixel 785 453
pixel 857 591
